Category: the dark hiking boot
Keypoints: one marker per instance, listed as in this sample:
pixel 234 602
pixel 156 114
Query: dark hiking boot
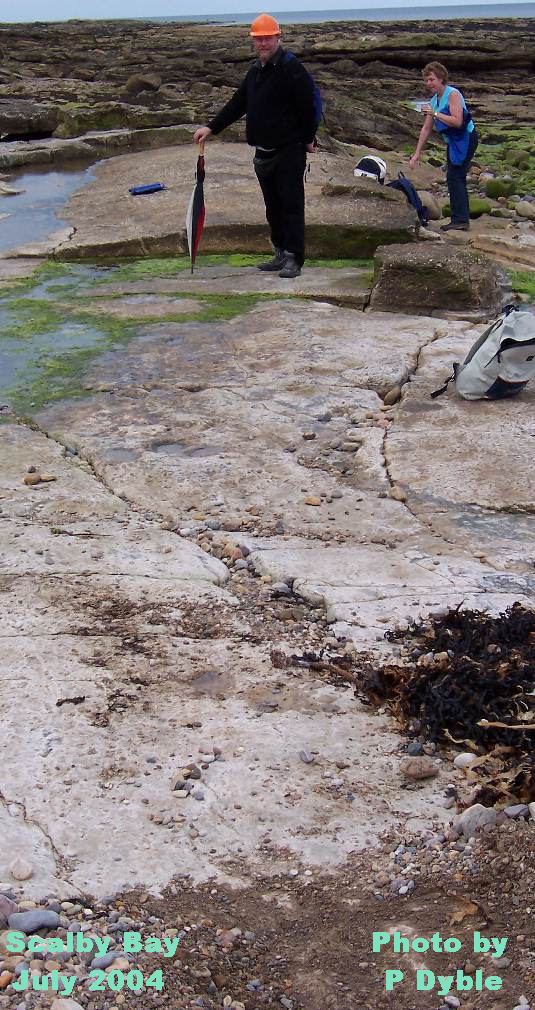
pixel 276 263
pixel 291 267
pixel 455 227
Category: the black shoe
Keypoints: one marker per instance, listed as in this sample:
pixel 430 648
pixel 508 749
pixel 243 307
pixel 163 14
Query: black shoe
pixel 276 263
pixel 455 227
pixel 291 267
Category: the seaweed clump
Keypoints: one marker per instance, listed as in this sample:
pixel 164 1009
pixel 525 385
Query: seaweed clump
pixel 468 679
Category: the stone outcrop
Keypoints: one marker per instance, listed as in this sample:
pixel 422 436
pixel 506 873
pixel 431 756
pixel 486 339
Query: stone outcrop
pixel 344 220
pixel 21 117
pixel 368 73
pixel 438 278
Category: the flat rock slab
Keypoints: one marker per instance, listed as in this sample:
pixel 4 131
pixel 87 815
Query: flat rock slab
pixel 109 221
pixel 105 792
pixel 198 405
pixel 46 246
pixel 512 246
pixel 367 588
pixel 345 285
pixel 124 637
pixel 122 625
pixel 143 306
pixel 12 269
pixel 482 500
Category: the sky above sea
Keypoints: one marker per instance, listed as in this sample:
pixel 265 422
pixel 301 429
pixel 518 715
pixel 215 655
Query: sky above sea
pixel 63 10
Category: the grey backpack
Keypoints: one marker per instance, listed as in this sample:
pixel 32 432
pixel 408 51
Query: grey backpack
pixel 501 362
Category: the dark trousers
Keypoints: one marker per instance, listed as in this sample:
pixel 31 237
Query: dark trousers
pixel 283 189
pixel 456 178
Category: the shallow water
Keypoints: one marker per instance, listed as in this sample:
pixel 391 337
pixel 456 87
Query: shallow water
pixel 24 359
pixel 32 215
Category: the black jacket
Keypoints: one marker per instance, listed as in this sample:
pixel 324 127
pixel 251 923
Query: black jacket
pixel 278 100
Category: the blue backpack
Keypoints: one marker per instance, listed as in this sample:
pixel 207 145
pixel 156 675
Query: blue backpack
pixel 318 101
pixel 406 186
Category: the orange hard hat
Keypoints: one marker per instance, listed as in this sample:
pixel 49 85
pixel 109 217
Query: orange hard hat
pixel 264 24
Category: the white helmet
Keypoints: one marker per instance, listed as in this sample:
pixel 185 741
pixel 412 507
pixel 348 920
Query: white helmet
pixel 371 167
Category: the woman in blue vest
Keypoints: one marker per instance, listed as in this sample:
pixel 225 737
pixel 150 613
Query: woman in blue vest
pixel 448 113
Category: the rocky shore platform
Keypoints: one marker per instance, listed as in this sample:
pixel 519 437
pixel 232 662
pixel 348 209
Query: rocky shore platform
pixel 68 78
pixel 223 497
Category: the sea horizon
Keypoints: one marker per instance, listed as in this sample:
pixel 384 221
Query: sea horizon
pixel 402 13
pixel 443 12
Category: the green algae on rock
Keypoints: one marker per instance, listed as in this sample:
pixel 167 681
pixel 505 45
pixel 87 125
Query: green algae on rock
pixel 166 267
pixel 49 344
pixel 523 282
pixel 415 279
pixel 477 206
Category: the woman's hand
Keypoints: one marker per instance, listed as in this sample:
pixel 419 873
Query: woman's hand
pixel 427 109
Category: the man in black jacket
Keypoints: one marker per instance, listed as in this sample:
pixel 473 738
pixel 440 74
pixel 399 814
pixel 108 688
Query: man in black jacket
pixel 277 97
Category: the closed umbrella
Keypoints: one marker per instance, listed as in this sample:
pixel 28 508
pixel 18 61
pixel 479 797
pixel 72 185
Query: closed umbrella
pixel 196 210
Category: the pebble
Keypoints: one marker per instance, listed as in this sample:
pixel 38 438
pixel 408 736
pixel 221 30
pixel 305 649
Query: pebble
pixel 104 960
pixel 474 818
pixel 306 757
pixel 517 810
pixel 65 1003
pixel 397 493
pixel 392 396
pixel 531 808
pixel 7 907
pixel 415 749
pixel 30 922
pixel 464 760
pixel 452 1001
pixel 418 768
pixel 20 869
pixel 309 435
pixel 312 499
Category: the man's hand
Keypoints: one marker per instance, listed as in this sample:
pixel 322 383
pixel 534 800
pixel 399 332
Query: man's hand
pixel 414 161
pixel 311 148
pixel 201 134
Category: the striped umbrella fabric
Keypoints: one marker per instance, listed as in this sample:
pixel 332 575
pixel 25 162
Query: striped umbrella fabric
pixel 196 210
